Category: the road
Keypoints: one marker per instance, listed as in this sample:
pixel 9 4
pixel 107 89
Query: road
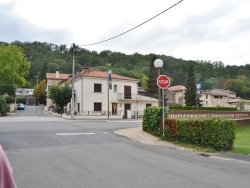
pixel 53 152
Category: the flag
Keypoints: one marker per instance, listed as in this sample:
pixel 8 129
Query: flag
pixel 110 79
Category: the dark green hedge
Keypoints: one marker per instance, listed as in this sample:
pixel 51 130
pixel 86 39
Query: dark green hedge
pixel 151 118
pixel 202 108
pixel 21 100
pixel 3 106
pixel 9 89
pixel 217 133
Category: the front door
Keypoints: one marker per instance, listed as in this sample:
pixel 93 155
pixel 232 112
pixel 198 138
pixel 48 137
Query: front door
pixel 127 106
pixel 114 108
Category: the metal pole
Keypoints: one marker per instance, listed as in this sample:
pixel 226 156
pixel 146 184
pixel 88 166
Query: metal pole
pixel 72 83
pixel 163 114
pixel 159 90
pixel 108 92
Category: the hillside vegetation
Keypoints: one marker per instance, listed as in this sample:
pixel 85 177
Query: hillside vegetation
pixel 47 57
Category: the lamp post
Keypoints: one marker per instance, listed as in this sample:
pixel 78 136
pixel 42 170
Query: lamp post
pixel 72 83
pixel 158 63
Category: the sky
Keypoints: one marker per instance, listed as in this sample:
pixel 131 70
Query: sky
pixel 215 30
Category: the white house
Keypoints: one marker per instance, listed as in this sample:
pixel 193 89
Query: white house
pixel 209 98
pixel 217 97
pixel 94 97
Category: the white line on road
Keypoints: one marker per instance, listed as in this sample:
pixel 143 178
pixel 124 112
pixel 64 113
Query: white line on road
pixel 72 134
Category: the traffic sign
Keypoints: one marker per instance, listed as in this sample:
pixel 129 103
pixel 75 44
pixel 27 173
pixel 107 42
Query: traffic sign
pixel 163 81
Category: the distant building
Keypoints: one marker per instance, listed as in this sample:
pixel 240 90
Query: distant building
pixel 209 98
pixel 24 92
pixel 54 78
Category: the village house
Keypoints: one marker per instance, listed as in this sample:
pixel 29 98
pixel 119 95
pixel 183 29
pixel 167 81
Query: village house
pixel 96 96
pixel 208 98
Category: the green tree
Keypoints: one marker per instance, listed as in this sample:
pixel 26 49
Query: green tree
pixel 240 85
pixel 40 92
pixel 152 87
pixel 190 94
pixel 60 95
pixel 14 66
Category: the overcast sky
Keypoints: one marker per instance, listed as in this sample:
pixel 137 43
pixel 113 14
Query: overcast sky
pixel 216 30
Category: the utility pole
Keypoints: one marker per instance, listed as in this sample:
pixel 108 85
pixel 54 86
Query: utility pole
pixel 72 83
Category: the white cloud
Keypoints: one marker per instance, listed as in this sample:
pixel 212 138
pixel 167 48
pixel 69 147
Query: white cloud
pixel 216 30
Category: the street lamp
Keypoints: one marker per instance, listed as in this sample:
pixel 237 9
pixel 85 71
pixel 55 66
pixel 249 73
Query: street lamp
pixel 158 63
pixel 72 83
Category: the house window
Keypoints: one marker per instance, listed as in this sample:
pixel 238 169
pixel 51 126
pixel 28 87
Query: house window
pixel 97 106
pixel 218 97
pixel 148 105
pixel 97 87
pixel 115 88
pixel 206 96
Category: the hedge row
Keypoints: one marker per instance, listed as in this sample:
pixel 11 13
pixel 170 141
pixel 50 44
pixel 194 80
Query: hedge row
pixel 3 106
pixel 212 132
pixel 202 108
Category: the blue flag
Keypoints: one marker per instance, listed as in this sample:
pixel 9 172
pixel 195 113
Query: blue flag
pixel 110 79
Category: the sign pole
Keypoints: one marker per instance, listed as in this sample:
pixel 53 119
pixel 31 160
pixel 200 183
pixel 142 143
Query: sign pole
pixel 163 114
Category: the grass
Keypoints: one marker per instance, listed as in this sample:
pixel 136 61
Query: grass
pixel 242 140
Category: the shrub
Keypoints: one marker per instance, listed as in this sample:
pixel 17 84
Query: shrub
pixel 21 100
pixel 151 119
pixel 217 133
pixel 9 89
pixel 202 108
pixel 3 106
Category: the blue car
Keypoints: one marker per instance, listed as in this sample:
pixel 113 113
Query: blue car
pixel 20 106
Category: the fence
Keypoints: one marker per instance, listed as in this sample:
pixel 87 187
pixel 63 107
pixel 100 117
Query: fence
pixel 241 118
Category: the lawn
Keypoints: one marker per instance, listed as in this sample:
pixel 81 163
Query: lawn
pixel 242 140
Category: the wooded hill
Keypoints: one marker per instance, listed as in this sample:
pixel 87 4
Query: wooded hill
pixel 48 57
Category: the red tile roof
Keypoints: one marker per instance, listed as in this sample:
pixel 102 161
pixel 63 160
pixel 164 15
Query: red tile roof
pixel 101 74
pixel 53 76
pixel 177 88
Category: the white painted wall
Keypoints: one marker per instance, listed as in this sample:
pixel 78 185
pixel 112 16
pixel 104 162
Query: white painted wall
pixel 85 95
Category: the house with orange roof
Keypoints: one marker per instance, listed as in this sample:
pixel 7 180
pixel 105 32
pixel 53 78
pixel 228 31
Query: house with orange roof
pixel 54 78
pixel 209 98
pixel 96 95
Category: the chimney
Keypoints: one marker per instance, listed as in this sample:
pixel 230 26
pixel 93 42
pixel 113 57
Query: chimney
pixel 57 74
pixel 85 70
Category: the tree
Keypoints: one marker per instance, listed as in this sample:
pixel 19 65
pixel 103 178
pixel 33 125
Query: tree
pixel 152 87
pixel 14 66
pixel 60 95
pixel 190 95
pixel 40 92
pixel 240 85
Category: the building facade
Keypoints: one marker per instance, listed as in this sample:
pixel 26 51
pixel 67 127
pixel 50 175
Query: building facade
pixel 208 98
pixel 96 95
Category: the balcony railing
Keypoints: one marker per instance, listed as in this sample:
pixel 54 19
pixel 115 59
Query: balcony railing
pixel 134 97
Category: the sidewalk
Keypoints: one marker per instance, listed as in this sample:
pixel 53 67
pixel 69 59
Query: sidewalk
pixel 138 135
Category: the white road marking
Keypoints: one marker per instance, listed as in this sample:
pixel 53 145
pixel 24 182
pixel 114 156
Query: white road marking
pixel 72 134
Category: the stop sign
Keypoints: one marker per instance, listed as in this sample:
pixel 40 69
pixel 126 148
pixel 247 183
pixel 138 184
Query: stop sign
pixel 163 81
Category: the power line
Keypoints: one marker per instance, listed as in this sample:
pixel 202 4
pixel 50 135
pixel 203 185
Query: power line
pixel 133 27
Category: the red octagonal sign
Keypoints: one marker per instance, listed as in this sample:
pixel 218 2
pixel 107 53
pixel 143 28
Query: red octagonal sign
pixel 163 81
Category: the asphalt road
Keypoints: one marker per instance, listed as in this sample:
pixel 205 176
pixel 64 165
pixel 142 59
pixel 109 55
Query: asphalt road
pixel 52 152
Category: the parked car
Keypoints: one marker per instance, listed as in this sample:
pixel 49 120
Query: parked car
pixel 20 106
